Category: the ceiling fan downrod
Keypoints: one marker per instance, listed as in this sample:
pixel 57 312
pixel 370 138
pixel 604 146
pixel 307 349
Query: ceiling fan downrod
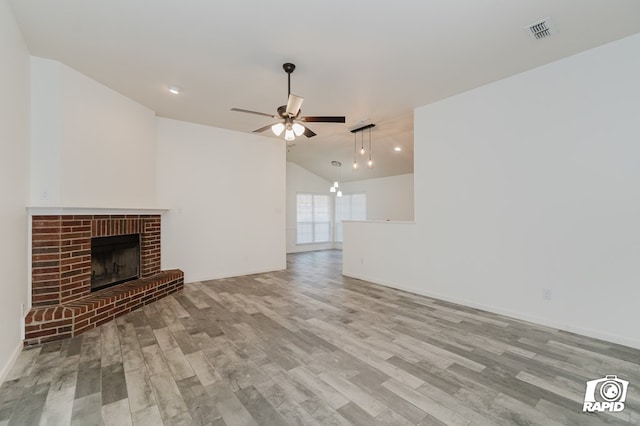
pixel 288 68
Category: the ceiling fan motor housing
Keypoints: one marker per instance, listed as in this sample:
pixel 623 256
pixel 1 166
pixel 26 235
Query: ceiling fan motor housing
pixel 282 112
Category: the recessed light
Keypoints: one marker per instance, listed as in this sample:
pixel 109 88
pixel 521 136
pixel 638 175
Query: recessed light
pixel 175 90
pixel 397 149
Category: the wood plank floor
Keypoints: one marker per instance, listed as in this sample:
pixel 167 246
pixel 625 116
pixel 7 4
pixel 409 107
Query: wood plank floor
pixel 307 346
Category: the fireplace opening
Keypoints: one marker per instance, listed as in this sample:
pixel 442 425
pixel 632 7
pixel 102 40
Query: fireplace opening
pixel 114 260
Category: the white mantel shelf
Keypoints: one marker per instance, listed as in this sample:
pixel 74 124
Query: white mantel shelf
pixel 55 211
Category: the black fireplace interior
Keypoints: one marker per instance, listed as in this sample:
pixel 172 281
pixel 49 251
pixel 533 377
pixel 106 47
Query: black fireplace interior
pixel 114 260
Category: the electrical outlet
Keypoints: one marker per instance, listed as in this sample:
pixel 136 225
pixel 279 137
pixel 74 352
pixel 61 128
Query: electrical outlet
pixel 546 294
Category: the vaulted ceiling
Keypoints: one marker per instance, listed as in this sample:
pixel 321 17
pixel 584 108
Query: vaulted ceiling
pixel 373 62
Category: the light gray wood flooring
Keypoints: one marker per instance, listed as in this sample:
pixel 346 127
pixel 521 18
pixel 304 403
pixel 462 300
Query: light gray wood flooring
pixel 307 346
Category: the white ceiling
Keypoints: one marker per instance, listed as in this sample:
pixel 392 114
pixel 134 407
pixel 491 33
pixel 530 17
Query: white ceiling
pixel 373 62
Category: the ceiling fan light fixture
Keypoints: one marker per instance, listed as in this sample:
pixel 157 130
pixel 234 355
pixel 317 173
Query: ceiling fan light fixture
pixel 298 129
pixel 277 129
pixel 289 135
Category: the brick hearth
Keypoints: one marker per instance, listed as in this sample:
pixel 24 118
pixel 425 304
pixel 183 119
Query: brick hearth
pixel 62 302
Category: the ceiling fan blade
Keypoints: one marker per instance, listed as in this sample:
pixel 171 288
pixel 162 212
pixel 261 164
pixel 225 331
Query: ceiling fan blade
pixel 308 132
pixel 254 112
pixel 328 119
pixel 262 129
pixel 293 105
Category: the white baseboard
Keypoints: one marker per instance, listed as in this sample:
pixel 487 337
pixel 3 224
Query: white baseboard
pixel 235 274
pixel 303 248
pixel 9 364
pixel 621 340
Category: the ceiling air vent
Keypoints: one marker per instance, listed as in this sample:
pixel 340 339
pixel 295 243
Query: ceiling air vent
pixel 541 29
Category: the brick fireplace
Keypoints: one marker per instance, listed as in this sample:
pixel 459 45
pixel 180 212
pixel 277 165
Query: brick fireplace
pixel 63 304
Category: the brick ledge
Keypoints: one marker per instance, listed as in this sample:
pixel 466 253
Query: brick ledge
pixel 48 323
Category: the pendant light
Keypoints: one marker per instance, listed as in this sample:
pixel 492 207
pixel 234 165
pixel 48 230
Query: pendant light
pixel 355 155
pixel 370 162
pixel 362 148
pixel 336 177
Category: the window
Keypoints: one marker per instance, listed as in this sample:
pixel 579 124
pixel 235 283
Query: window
pixel 314 219
pixel 350 207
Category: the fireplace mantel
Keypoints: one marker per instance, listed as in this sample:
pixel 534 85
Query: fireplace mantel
pixel 57 211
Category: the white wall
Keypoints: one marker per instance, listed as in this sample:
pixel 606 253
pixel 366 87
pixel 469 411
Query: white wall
pixel 14 184
pixel 225 191
pixel 528 183
pixel 46 132
pixel 300 180
pixel 92 147
pixel 388 198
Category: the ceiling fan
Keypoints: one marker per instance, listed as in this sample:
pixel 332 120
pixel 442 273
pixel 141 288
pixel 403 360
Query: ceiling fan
pixel 288 116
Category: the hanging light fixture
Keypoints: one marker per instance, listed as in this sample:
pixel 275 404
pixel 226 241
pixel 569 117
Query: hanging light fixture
pixel 370 162
pixel 336 177
pixel 362 148
pixel 355 156
pixel 335 185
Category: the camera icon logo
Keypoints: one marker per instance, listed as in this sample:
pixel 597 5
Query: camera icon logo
pixel 606 394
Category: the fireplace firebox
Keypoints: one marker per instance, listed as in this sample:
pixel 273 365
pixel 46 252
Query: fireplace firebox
pixel 114 260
